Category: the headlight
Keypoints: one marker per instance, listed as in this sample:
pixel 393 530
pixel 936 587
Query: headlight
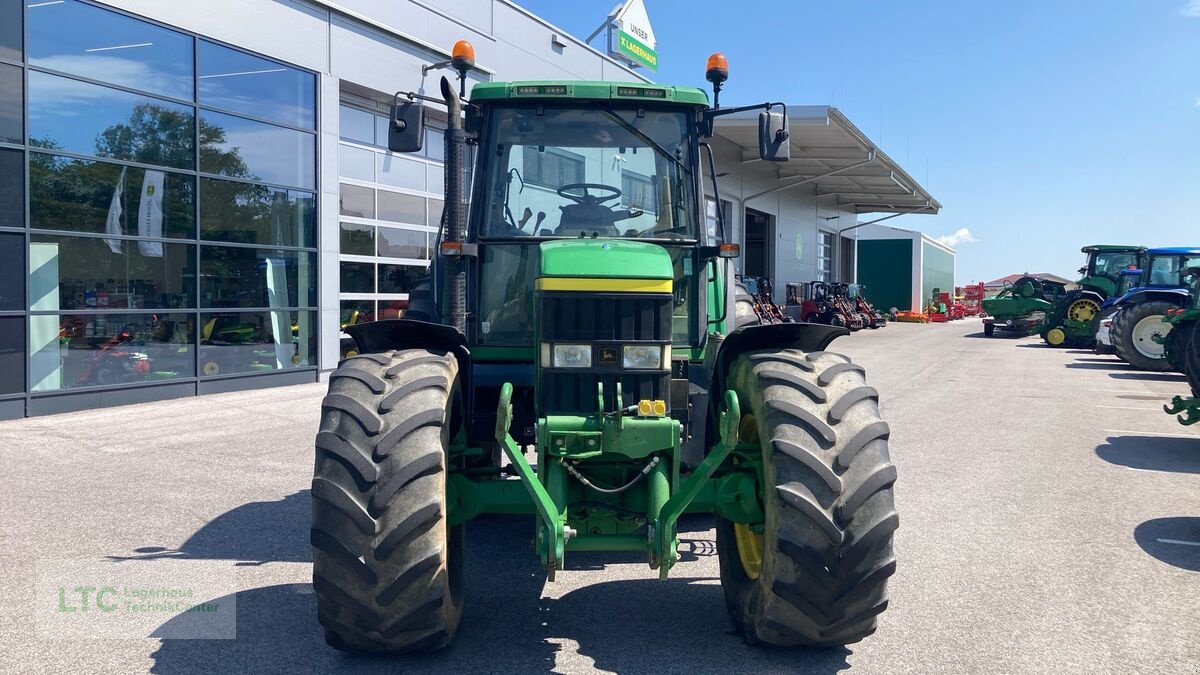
pixel 572 356
pixel 642 356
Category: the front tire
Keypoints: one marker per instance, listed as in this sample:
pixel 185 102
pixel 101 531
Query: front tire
pixel 1132 329
pixel 825 553
pixel 387 571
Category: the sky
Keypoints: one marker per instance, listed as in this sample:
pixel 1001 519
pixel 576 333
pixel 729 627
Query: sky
pixel 1040 126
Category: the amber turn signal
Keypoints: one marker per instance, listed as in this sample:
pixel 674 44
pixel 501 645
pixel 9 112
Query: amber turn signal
pixel 729 251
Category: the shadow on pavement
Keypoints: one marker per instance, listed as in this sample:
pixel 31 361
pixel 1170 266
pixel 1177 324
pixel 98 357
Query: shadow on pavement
pixel 254 533
pixel 998 335
pixel 1175 541
pixel 1153 453
pixel 1150 377
pixel 1099 365
pixel 507 626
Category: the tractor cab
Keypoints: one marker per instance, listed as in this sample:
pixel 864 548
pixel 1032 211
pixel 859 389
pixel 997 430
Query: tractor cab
pixel 1102 272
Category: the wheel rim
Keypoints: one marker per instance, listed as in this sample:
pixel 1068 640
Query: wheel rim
pixel 750 549
pixel 749 544
pixel 1083 310
pixel 1056 336
pixel 1143 336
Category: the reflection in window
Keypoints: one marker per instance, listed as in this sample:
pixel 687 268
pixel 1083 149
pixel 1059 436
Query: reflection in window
pixel 12 188
pixel 77 195
pixel 12 101
pixel 398 243
pixel 241 148
pixel 401 208
pixel 357 201
pixel 357 125
pixel 255 86
pixel 81 39
pixel 357 239
pixel 12 354
pixel 551 168
pixel 356 277
pixel 400 172
pixel 253 342
pixel 356 311
pixel 356 163
pixel 12 271
pixel 89 349
pixel 89 119
pixel 400 278
pixel 96 273
pixel 255 214
pixel 638 192
pixel 256 277
pixel 10 32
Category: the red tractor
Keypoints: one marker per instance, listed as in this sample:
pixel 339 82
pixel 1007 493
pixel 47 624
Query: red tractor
pixel 857 294
pixel 819 304
pixel 762 295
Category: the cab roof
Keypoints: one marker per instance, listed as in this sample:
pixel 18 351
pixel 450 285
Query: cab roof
pixel 586 90
pixel 1110 247
pixel 1176 250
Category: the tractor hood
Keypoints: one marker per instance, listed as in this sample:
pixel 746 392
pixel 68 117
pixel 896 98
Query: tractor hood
pixel 605 259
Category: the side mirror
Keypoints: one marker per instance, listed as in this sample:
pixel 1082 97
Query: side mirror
pixel 406 132
pixel 773 143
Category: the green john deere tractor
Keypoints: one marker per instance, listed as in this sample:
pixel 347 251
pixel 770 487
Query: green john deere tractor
pixel 1182 345
pixel 1074 318
pixel 1020 307
pixel 595 370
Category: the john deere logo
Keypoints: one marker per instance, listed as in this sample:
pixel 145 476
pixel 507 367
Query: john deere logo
pixel 150 190
pixel 608 356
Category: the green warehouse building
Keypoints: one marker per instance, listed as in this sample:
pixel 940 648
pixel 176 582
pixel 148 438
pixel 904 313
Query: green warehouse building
pixel 900 268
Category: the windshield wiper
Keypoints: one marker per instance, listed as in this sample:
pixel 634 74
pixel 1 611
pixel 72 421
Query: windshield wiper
pixel 641 136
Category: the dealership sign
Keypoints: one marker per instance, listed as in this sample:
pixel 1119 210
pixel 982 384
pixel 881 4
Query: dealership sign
pixel 633 40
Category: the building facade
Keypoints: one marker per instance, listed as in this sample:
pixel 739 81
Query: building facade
pixel 196 196
pixel 900 268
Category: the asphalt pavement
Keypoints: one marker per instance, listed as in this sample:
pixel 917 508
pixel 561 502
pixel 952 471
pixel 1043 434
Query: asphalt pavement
pixel 1050 522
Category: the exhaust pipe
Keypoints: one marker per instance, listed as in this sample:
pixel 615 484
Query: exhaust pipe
pixel 455 213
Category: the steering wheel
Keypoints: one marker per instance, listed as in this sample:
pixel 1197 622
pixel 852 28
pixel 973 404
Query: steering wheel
pixel 587 198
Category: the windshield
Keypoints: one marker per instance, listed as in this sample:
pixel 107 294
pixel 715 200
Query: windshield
pixel 1109 264
pixel 1168 270
pixel 589 171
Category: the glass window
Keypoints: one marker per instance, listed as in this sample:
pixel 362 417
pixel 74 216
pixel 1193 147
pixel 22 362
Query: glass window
pixel 12 102
pixel 400 172
pixel 256 277
pixel 551 168
pixel 89 119
pixel 78 195
pixel 825 255
pixel 241 148
pixel 12 188
pixel 357 201
pixel 81 39
pixel 255 86
pixel 357 277
pixel 10 31
pixel 255 214
pixel 435 145
pixel 506 308
pixel 397 243
pixel 88 350
pixel 435 212
pixel 96 273
pixel 638 192
pixel 12 354
pixel 392 309
pixel 400 278
pixel 357 239
pixel 435 178
pixel 381 130
pixel 356 163
pixel 357 125
pixel 253 342
pixel 401 208
pixel 12 271
pixel 356 311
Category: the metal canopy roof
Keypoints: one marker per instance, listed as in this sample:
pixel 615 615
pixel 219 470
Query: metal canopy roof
pixel 828 151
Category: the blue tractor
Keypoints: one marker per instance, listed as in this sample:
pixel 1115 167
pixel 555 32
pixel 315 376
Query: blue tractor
pixel 1140 311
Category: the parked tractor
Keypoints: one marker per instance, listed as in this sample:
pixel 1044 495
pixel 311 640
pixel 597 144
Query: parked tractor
pixel 597 373
pixel 857 295
pixel 1183 351
pixel 1138 331
pixel 818 304
pixel 1072 320
pixel 1021 306
pixel 1102 337
pixel 761 294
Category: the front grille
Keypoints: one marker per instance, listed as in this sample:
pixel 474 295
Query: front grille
pixel 605 321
